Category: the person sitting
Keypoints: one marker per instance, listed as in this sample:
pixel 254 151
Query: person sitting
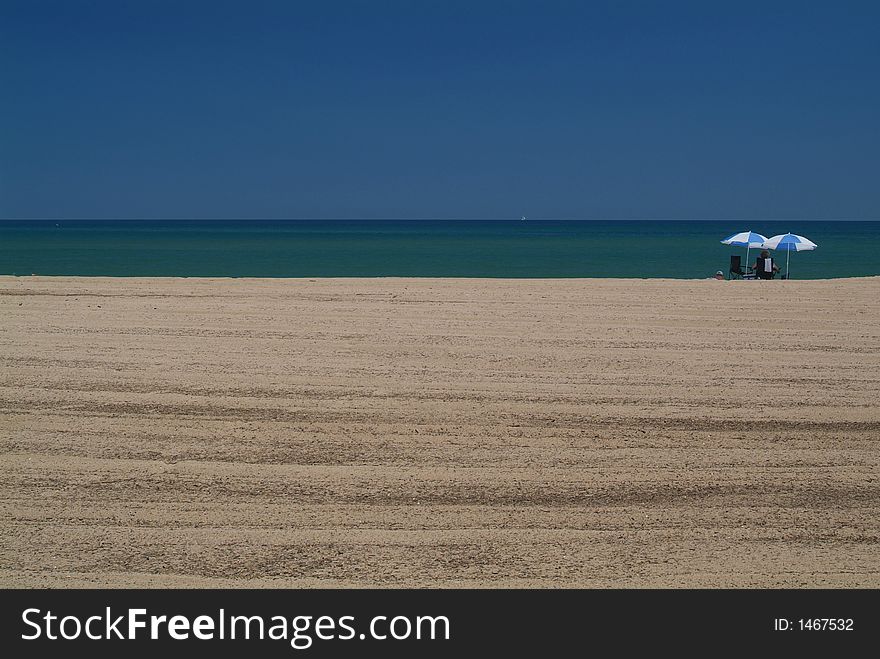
pixel 765 268
pixel 735 267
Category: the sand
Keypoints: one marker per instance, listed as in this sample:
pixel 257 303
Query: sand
pixel 439 433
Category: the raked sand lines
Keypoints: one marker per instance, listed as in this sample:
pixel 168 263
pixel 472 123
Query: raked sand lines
pixel 403 432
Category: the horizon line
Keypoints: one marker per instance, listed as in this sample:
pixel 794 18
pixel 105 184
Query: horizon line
pixel 447 219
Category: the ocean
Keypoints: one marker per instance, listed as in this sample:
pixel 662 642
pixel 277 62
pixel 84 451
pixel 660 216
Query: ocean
pixel 420 248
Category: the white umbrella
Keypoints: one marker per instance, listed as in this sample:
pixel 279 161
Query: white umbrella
pixel 747 239
pixel 789 242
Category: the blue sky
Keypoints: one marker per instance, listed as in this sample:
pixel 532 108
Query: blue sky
pixel 439 109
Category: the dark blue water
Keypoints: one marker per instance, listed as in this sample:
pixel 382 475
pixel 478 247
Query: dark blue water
pixel 419 248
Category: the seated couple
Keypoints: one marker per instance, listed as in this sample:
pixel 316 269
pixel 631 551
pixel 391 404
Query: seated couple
pixel 764 267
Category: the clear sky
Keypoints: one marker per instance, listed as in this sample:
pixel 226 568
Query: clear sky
pixel 452 109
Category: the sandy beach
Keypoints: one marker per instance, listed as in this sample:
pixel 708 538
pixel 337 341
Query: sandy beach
pixel 439 433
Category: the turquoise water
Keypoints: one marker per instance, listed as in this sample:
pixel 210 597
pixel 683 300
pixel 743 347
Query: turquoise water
pixel 419 248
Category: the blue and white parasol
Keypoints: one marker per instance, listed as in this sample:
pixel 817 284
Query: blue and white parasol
pixel 789 243
pixel 747 239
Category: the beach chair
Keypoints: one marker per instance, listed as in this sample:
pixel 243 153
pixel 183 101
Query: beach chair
pixel 736 270
pixel 765 268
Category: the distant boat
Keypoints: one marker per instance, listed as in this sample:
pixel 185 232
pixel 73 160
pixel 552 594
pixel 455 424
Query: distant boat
pixel 522 219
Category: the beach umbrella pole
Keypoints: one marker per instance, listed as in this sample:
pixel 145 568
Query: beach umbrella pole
pixel 748 247
pixel 787 259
